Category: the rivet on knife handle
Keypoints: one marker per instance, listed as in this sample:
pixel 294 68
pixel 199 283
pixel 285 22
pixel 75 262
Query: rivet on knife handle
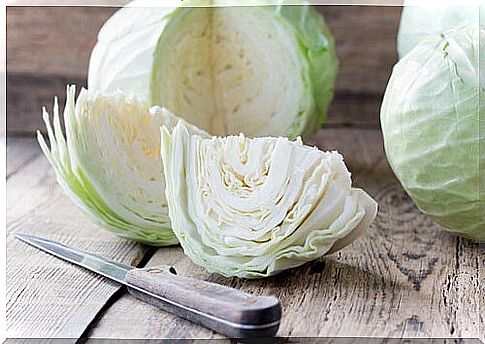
pixel 220 308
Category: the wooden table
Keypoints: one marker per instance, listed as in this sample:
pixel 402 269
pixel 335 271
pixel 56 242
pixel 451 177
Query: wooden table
pixel 405 278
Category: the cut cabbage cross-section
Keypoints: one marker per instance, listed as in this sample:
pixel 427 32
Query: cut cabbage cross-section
pixel 260 70
pixel 110 164
pixel 254 207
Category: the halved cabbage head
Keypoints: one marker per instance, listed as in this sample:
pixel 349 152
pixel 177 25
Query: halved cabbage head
pixel 260 70
pixel 254 207
pixel 110 164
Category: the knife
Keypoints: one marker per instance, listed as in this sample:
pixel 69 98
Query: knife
pixel 222 309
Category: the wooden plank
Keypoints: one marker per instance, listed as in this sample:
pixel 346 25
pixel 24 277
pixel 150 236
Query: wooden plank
pixel 405 278
pixel 20 151
pixel 362 149
pixel 26 95
pixel 365 38
pixel 41 61
pixel 481 263
pixel 54 41
pixel 47 297
pixel 354 110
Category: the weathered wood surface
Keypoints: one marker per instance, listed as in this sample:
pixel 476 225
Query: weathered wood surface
pixel 47 297
pixel 405 278
pixel 365 38
pixel 41 61
pixel 52 41
pixel 20 151
pixel 482 293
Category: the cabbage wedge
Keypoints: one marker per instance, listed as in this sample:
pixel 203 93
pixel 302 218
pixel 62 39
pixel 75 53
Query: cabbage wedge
pixel 109 162
pixel 254 207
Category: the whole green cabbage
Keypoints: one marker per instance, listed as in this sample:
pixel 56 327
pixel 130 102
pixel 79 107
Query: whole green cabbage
pixel 260 70
pixel 109 163
pixel 255 207
pixel 431 116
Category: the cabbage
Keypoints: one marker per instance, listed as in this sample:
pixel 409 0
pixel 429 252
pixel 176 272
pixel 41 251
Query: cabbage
pixel 430 121
pixel 254 207
pixel 110 165
pixel 261 70
pixel 417 22
pixel 123 56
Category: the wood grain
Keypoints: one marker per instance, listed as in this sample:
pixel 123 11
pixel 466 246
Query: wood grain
pixel 24 109
pixel 46 297
pixel 354 110
pixel 405 278
pixel 365 38
pixel 20 151
pixel 52 41
pixel 482 293
pixel 41 61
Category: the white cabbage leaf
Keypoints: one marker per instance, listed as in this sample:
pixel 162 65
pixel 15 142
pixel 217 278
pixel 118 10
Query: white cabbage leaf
pixel 109 163
pixel 254 207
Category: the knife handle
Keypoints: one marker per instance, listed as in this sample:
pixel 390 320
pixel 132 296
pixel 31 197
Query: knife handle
pixel 222 309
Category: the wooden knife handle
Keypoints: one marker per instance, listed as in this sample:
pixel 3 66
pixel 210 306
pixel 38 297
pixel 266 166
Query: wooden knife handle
pixel 225 310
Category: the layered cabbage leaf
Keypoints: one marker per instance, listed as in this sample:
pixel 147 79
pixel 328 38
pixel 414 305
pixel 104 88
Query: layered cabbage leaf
pixel 109 162
pixel 254 207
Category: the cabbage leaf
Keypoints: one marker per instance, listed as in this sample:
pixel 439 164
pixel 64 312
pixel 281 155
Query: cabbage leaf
pixel 254 207
pixel 109 163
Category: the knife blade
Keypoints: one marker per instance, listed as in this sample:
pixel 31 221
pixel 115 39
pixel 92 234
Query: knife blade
pixel 222 309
